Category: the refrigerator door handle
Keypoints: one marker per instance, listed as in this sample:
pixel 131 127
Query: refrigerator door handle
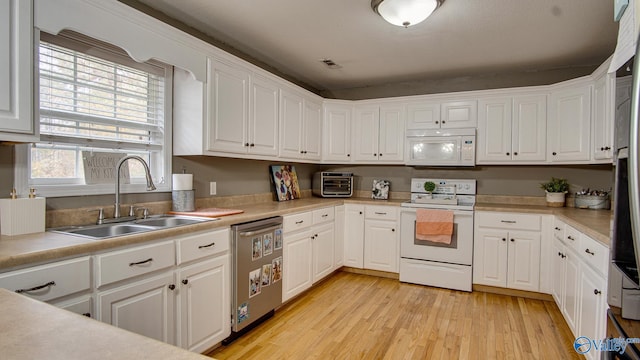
pixel 259 231
pixel 633 165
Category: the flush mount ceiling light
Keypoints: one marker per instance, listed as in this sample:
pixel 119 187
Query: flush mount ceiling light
pixel 405 12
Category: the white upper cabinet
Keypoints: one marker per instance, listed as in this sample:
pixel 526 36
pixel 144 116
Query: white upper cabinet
pixel 379 133
pixel 228 107
pixel 569 123
pixel 337 133
pixel 603 114
pixel 300 126
pixel 263 117
pixel 512 129
pixel 442 115
pixel 17 122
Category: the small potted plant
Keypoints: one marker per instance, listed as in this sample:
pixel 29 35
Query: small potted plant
pixel 429 186
pixel 556 189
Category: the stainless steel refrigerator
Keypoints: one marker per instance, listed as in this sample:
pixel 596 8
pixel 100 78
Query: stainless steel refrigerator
pixel 256 272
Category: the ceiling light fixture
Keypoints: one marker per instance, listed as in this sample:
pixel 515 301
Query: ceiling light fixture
pixel 405 12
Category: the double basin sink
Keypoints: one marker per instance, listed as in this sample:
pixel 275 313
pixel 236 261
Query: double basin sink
pixel 110 230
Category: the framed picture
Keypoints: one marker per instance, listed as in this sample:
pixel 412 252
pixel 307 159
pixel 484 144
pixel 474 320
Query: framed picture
pixel 285 180
pixel 380 189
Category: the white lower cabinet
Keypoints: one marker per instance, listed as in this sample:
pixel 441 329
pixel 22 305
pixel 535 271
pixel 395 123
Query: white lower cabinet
pixel 507 250
pixel 203 304
pixel 371 237
pixel 579 265
pixel 308 250
pixel 145 307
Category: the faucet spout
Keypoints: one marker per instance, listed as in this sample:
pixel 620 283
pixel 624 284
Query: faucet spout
pixel 150 185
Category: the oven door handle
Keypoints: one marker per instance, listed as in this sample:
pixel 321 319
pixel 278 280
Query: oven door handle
pixel 460 213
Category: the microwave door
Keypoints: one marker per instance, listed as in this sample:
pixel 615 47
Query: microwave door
pixel 434 151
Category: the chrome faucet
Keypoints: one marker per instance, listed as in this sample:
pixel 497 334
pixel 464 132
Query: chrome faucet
pixel 150 185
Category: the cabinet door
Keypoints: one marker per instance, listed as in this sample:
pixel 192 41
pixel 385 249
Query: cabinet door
pixel 423 115
pixel 558 269
pixel 524 261
pixel 16 67
pixel 459 114
pixel 354 236
pixel 571 288
pixel 291 111
pixel 391 136
pixel 494 130
pixel 529 129
pixel 204 304
pixel 297 260
pixel 337 133
pixel 228 105
pixel 263 124
pixel 323 241
pixel 381 245
pixel 603 117
pixel 569 124
pixel 145 307
pixel 338 244
pixel 490 258
pixel 593 306
pixel 366 127
pixel 312 130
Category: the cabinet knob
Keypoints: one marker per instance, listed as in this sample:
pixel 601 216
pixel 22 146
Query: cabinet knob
pixel 504 239
pixel 185 281
pixel 508 154
pixel 171 287
pixel 554 153
pixel 607 148
pixel 515 153
pixel 557 228
pixel 246 144
pixel 443 121
pixel 380 154
pixel 360 212
pixel 559 253
pixel 348 155
pixel 393 230
pixel 512 240
pixel 87 314
pixel 437 122
pixel 301 152
pixel 597 292
pixel 601 149
pixel 374 154
pixel 252 145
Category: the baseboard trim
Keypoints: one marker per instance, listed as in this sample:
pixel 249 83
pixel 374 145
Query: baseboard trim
pixel 513 292
pixel 377 273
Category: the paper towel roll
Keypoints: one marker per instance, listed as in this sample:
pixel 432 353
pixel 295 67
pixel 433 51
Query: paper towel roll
pixel 182 182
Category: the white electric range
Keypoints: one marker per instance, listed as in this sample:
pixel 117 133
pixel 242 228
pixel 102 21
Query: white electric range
pixel 436 264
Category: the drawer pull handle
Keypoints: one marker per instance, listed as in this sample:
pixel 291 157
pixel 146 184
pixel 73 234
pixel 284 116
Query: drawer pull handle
pixel 380 213
pixel 325 215
pixel 570 238
pixel 171 287
pixel 557 228
pixel 597 292
pixel 589 252
pixel 50 283
pixel 206 246
pixel 299 222
pixel 185 281
pixel 508 221
pixel 87 315
pixel 141 262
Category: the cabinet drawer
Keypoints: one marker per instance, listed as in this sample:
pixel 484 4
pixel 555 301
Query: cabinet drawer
pixel 124 264
pixel 594 253
pixel 50 281
pixel 558 229
pixel 297 221
pixel 572 237
pixel 201 245
pixel 380 213
pixel 509 221
pixel 323 215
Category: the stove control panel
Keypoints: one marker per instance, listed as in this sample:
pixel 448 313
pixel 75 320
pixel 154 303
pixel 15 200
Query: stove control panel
pixel 445 186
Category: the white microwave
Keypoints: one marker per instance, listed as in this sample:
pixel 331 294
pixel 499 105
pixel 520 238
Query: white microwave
pixel 453 147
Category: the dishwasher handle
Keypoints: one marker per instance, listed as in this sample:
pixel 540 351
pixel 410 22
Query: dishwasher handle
pixel 259 230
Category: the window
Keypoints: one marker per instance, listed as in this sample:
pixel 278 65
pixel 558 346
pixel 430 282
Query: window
pixel 94 99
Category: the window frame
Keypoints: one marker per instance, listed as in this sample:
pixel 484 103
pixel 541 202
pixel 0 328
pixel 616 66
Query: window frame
pixel 22 160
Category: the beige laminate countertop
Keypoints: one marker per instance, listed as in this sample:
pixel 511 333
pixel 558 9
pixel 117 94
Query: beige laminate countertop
pixel 31 249
pixel 31 329
pixel 594 223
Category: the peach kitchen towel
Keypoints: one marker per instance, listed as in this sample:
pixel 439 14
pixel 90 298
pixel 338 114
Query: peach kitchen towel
pixel 434 225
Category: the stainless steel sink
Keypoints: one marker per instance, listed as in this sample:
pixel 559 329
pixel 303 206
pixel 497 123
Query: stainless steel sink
pixel 110 230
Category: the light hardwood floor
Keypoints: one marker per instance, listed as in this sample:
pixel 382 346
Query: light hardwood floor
pixel 352 316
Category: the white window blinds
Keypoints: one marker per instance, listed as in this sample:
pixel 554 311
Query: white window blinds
pixel 88 101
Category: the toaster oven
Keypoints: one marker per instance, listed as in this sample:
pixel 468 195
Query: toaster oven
pixel 333 184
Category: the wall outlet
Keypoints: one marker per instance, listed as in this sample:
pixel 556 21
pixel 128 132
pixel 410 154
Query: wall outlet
pixel 213 188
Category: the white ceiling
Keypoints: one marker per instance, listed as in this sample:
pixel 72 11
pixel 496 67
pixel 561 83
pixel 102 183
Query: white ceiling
pixel 462 38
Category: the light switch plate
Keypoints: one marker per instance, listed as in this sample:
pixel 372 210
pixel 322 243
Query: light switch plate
pixel 213 188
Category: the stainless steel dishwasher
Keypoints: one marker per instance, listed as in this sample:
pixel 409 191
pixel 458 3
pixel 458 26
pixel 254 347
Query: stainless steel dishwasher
pixel 256 270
